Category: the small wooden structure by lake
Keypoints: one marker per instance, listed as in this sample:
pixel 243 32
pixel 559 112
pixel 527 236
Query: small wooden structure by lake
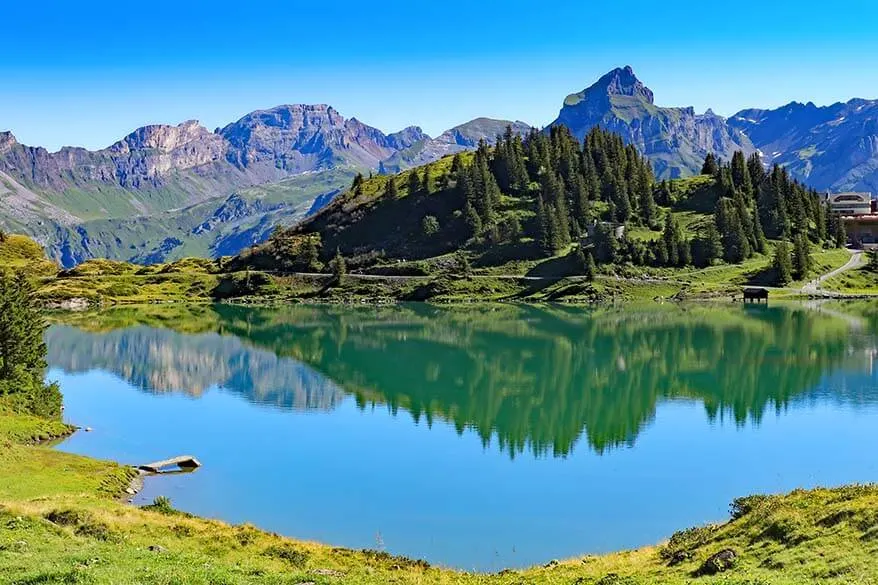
pixel 755 295
pixel 184 462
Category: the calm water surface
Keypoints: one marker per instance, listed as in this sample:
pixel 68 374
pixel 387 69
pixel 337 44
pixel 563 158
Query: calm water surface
pixel 477 437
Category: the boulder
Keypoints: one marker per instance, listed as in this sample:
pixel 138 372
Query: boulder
pixel 719 562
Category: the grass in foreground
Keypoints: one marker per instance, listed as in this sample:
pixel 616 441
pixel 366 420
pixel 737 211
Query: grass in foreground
pixel 61 522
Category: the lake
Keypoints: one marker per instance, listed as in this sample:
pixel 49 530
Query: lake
pixel 476 437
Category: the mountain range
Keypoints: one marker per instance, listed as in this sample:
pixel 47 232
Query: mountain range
pixel 163 191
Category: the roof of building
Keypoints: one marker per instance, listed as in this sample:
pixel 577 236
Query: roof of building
pixel 850 196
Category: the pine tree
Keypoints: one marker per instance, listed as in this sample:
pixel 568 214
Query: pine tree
pixel 801 261
pixel 669 235
pixel 839 233
pixel 662 257
pixel 605 244
pixel 553 229
pixel 736 247
pixel 544 235
pixel 414 182
pixel 756 170
pixel 472 220
pixel 708 246
pixel 710 166
pixel 456 166
pixel 22 349
pixel 511 231
pixel 664 197
pixel 761 244
pixel 621 201
pixel 427 183
pixel 21 330
pixel 782 264
pixel 820 221
pixel 309 254
pixel 579 195
pixel 562 221
pixel 590 268
pixel 648 208
pixel 741 175
pixel 390 189
pixel 339 267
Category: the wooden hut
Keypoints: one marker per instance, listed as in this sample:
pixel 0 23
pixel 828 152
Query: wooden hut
pixel 755 295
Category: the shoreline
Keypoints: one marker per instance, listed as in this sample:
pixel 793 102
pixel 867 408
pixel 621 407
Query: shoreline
pixel 93 495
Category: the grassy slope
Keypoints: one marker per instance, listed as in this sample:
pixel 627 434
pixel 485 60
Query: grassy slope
pixel 136 236
pixel 858 281
pixel 108 281
pixel 61 522
pixel 22 253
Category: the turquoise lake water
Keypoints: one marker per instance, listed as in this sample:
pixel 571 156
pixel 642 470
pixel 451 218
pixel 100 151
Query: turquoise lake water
pixel 475 437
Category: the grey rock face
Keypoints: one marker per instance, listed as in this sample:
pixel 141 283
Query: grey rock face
pixel 833 147
pixel 676 140
pixel 293 139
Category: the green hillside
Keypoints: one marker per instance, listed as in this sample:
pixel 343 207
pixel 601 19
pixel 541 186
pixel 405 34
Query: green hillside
pixel 546 205
pixel 22 253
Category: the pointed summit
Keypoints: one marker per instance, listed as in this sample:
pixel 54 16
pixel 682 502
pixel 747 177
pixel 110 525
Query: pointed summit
pixel 619 82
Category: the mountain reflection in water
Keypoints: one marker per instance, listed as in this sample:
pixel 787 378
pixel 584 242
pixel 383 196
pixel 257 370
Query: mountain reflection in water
pixel 527 378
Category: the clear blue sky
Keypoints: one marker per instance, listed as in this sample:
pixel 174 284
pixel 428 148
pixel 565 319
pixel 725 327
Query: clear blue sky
pixel 87 73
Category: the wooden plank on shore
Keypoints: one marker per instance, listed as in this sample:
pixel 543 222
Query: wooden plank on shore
pixel 183 462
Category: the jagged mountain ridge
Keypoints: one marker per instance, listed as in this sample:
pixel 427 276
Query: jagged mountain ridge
pixel 138 185
pixel 831 147
pixel 676 140
pixel 166 191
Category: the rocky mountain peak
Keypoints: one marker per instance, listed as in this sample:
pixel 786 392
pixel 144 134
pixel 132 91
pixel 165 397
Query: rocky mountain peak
pixel 406 137
pixel 623 81
pixel 163 137
pixel 290 117
pixel 674 139
pixel 619 82
pixel 7 141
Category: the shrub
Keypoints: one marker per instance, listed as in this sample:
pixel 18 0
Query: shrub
pixel 162 505
pixel 682 543
pixel 67 517
pixel 430 225
pixel 395 560
pixel 82 522
pixel 289 553
pixel 242 284
pixel 740 507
